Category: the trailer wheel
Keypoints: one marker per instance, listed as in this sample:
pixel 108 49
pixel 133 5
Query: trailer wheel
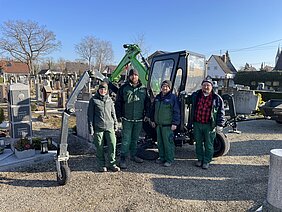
pixel 147 154
pixel 278 121
pixel 65 174
pixel 221 145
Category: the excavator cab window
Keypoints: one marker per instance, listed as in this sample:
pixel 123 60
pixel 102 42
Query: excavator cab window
pixel 162 70
pixel 195 74
pixel 177 81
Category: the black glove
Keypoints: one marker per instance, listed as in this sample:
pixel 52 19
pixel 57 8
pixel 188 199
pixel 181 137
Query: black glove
pixel 190 126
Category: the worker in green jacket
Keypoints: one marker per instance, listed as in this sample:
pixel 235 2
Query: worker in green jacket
pixel 102 123
pixel 132 103
pixel 165 117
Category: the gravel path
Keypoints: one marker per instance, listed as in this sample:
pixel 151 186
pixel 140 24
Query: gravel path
pixel 235 182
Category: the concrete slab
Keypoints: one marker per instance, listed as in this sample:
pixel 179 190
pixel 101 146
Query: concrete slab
pixel 8 160
pixel 5 154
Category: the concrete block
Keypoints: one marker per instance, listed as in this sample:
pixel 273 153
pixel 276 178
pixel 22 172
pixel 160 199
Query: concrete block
pixel 246 101
pixel 274 189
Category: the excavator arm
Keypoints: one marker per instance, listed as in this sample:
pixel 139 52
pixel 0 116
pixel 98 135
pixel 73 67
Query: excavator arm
pixel 132 50
pixel 63 171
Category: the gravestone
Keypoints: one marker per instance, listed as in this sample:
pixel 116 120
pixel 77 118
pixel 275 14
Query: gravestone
pixel 19 110
pixel 38 93
pixel 3 93
pixel 81 108
pixel 62 99
pixel 57 85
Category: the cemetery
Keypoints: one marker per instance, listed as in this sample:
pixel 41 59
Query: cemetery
pixel 34 106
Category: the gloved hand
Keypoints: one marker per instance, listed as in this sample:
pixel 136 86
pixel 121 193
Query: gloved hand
pixel 219 129
pixel 119 119
pixel 190 126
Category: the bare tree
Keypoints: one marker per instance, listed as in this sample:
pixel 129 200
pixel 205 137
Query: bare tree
pixel 104 54
pixel 87 48
pixel 36 66
pixel 141 42
pixel 61 63
pixel 50 62
pixel 27 41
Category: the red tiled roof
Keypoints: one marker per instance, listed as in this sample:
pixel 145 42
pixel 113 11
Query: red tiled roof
pixel 13 67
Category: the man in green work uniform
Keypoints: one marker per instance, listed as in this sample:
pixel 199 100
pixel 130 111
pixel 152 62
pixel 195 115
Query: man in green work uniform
pixel 102 122
pixel 207 118
pixel 165 117
pixel 132 103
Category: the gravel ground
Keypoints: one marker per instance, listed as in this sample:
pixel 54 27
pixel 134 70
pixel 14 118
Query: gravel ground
pixel 235 182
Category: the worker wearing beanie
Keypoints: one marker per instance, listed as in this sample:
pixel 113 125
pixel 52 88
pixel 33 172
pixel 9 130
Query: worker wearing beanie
pixel 207 118
pixel 165 118
pixel 102 123
pixel 132 104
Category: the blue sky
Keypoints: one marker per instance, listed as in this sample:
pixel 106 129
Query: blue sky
pixel 203 26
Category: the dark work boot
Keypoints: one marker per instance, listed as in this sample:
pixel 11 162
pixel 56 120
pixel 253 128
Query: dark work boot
pixel 198 163
pixel 122 163
pixel 114 168
pixel 205 165
pixel 137 159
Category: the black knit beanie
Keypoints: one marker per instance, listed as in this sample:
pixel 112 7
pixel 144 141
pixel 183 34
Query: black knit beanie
pixel 168 82
pixel 103 85
pixel 207 80
pixel 133 71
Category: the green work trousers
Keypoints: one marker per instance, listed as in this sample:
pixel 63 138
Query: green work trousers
pixel 166 144
pixel 110 137
pixel 130 136
pixel 204 136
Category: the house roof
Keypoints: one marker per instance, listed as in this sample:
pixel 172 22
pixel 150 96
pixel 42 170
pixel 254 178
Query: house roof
pixel 14 67
pixel 43 71
pixel 278 65
pixel 248 67
pixel 227 66
pixel 50 71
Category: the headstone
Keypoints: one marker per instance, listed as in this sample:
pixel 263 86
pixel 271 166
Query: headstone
pixel 3 93
pixel 81 108
pixel 75 77
pixel 19 110
pixel 38 93
pixel 62 81
pixel 46 82
pixel 70 83
pixel 62 98
pixel 47 94
pixel 57 85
